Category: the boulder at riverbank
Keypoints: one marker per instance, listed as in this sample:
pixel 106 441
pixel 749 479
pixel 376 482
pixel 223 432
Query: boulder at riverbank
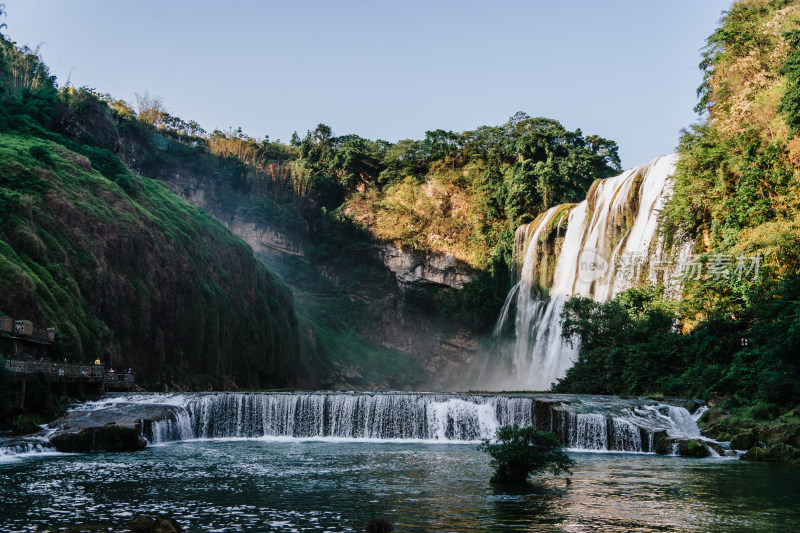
pixel 96 431
pixel 774 453
pixel 118 428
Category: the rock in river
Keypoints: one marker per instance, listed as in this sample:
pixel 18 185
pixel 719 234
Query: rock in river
pixel 114 428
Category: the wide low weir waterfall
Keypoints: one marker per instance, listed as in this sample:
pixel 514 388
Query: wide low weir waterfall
pixel 607 243
pixel 595 423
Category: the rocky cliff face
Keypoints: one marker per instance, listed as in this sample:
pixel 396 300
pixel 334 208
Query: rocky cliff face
pixel 413 268
pixel 408 266
pixel 443 350
pixel 264 239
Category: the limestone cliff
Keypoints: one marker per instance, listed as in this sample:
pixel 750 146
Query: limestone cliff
pixel 429 351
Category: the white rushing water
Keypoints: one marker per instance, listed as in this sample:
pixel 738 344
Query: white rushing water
pixel 12 450
pixel 589 423
pixel 608 245
pixel 581 423
pixel 349 416
pixel 355 416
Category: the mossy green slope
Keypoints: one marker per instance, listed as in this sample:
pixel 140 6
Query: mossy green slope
pixel 135 275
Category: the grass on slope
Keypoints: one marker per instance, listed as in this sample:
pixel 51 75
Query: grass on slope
pixel 129 272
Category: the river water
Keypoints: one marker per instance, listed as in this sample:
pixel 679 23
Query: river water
pixel 328 484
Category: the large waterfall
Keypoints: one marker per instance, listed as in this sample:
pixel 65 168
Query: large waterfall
pixel 596 423
pixel 597 248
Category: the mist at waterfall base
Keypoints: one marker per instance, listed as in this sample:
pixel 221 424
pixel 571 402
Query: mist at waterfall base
pixel 327 461
pixel 617 220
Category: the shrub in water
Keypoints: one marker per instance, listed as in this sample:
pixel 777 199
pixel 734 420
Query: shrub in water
pixel 519 452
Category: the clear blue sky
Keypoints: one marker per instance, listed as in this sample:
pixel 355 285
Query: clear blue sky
pixel 626 70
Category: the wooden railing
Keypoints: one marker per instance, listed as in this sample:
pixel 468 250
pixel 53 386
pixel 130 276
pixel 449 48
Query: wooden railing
pixel 118 378
pixel 73 372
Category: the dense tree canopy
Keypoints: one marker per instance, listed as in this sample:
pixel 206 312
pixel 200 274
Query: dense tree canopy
pixel 630 346
pixel 461 194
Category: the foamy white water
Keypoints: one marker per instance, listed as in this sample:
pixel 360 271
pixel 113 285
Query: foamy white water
pixel 617 225
pixel 589 423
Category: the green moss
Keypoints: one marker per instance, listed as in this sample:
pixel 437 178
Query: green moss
pixel 695 448
pixel 23 425
pixel 95 254
pixel 660 443
pixel 774 453
pixel 744 440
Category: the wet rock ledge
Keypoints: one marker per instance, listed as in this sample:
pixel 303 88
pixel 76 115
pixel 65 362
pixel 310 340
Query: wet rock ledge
pixel 111 429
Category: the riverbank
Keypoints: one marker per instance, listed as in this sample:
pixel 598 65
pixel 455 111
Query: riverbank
pixel 768 432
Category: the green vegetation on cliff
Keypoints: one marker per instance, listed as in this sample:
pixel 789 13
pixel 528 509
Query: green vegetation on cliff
pixel 124 269
pixel 459 194
pixel 455 193
pixel 736 194
pixel 737 189
pixel 630 346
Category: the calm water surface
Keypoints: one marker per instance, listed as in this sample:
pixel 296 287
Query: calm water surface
pixel 259 485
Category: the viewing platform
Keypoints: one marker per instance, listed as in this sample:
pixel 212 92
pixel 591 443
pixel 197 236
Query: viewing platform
pixel 73 373
pixel 69 376
pixel 27 349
